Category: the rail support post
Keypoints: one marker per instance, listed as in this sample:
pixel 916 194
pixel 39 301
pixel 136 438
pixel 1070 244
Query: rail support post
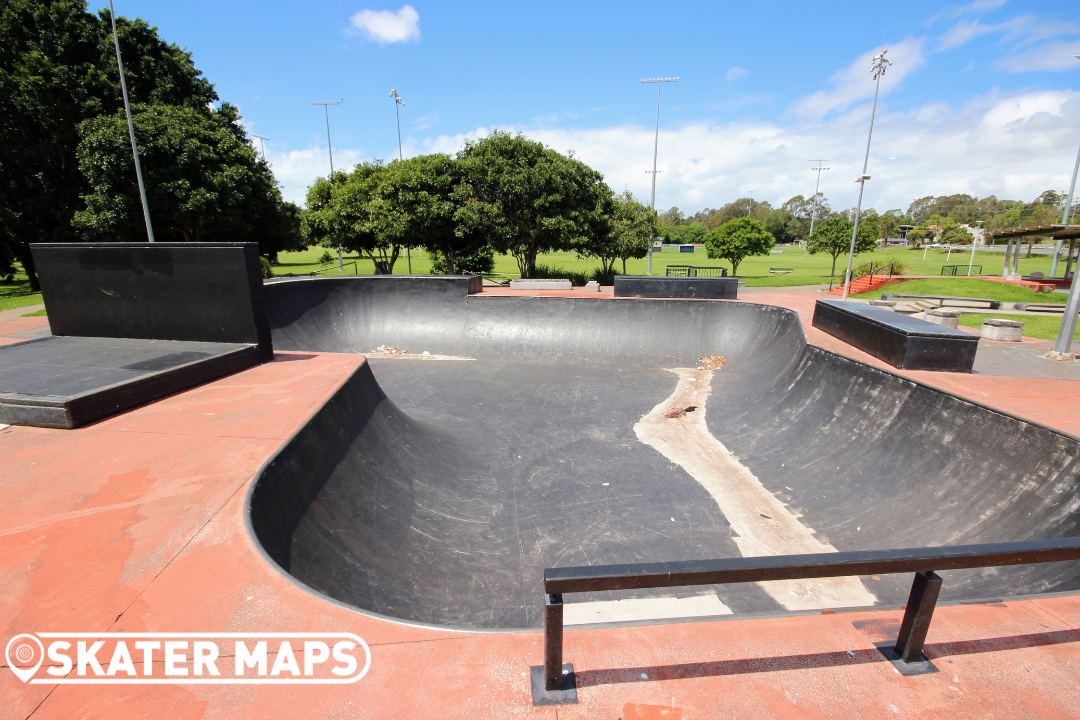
pixel 906 655
pixel 553 683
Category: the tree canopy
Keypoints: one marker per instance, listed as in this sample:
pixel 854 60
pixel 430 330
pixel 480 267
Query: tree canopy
pixel 629 234
pixel 738 239
pixel 524 198
pixel 833 237
pixel 57 71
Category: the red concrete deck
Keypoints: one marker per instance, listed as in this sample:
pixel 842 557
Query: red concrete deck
pixel 136 524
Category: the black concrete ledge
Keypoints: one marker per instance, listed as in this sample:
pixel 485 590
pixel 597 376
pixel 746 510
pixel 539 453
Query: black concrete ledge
pixel 68 382
pixel 702 288
pixel 902 341
pixel 202 292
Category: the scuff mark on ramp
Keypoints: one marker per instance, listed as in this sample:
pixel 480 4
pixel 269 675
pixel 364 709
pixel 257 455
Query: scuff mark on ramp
pixel 765 526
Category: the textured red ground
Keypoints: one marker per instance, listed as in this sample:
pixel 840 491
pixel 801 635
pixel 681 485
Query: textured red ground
pixel 136 524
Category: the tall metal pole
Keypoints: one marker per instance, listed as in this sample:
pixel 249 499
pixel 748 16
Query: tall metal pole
pixel 656 147
pixel 262 143
pixel 1068 321
pixel 326 108
pixel 974 238
pixel 1068 212
pixel 750 209
pixel 877 67
pixel 131 128
pixel 817 185
pixel 397 113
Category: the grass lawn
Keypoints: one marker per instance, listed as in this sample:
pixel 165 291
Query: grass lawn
pixel 1044 328
pixel 754 271
pixel 17 293
pixel 968 287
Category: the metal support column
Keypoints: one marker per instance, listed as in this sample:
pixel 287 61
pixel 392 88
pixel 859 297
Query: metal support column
pixel 917 616
pixel 553 683
pixel 1008 251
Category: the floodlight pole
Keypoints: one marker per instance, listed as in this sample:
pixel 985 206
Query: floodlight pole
pixel 1068 321
pixel 975 237
pixel 750 209
pixel 817 185
pixel 131 128
pixel 262 143
pixel 326 107
pixel 877 67
pixel 397 113
pixel 656 146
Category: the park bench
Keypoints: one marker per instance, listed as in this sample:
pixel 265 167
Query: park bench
pixel 781 271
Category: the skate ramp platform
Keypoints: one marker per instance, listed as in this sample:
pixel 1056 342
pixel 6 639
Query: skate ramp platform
pixel 551 432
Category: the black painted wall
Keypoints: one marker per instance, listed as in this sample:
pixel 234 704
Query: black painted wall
pixel 210 292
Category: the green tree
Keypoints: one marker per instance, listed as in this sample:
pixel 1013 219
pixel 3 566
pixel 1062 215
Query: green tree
pixel 629 234
pixel 524 198
pixel 204 181
pixel 57 69
pixel 738 239
pixel 833 237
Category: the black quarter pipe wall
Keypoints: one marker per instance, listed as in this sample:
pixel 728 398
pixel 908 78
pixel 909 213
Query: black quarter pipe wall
pixel 436 490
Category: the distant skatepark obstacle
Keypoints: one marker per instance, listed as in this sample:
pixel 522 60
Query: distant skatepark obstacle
pixel 700 288
pixel 902 341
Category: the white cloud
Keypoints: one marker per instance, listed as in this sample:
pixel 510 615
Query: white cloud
pixel 1013 146
pixel 854 83
pixel 386 26
pixel 735 73
pixel 296 170
pixel 1051 56
pixel 963 33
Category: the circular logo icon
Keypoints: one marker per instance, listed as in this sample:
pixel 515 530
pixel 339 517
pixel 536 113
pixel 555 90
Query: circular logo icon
pixel 24 655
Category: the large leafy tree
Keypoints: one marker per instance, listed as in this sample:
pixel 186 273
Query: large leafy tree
pixel 204 181
pixel 737 240
pixel 833 237
pixel 628 235
pixel 524 198
pixel 57 69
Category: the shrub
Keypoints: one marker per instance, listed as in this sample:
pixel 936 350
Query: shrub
pixel 604 278
pixel 478 262
pixel 899 267
pixel 326 258
pixel 267 268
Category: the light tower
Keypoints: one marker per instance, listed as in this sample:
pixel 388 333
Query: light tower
pixel 877 67
pixel 817 185
pixel 656 146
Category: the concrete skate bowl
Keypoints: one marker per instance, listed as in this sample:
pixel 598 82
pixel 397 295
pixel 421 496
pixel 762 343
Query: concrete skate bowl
pixel 436 488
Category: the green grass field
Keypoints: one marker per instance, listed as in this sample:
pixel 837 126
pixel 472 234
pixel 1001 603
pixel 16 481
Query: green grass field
pixel 1044 328
pixel 754 271
pixel 967 287
pixel 17 293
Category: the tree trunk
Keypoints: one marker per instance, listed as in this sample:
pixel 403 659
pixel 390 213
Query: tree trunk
pixel 450 262
pixel 833 271
pixel 530 256
pixel 27 260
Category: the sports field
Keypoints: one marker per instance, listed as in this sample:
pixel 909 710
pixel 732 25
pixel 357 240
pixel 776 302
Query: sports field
pixel 754 271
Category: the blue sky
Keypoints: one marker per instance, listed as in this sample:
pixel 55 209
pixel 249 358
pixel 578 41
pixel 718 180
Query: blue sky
pixel 982 98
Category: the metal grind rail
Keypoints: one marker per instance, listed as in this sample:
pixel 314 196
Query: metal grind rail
pixel 554 683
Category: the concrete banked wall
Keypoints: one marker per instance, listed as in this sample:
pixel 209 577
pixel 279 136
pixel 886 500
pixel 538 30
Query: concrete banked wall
pixel 346 505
